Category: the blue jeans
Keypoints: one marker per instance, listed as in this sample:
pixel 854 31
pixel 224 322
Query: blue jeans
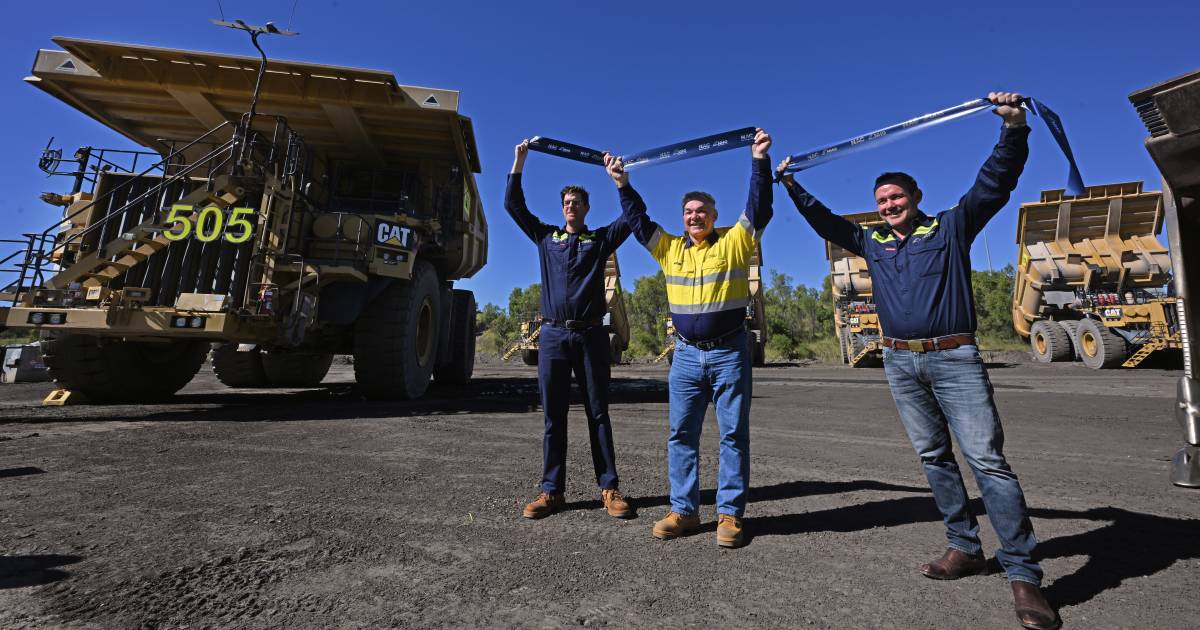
pixel 947 391
pixel 721 375
pixel 562 352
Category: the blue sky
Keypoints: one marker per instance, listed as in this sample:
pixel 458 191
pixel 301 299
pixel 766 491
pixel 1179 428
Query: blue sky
pixel 629 76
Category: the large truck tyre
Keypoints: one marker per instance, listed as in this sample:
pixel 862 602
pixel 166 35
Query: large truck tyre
pixel 760 352
pixel 461 366
pixel 529 357
pixel 1072 328
pixel 615 352
pixel 238 369
pixel 295 369
pixel 113 370
pixel 1049 342
pixel 395 339
pixel 1099 347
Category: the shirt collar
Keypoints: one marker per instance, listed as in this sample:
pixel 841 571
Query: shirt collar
pixel 921 219
pixel 711 239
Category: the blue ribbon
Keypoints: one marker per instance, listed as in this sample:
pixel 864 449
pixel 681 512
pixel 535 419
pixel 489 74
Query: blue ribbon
pixel 567 150
pixel 821 155
pixel 661 155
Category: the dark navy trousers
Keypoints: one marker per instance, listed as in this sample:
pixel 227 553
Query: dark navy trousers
pixel 585 354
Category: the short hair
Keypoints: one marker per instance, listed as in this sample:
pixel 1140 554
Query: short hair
pixel 697 195
pixel 578 191
pixel 903 180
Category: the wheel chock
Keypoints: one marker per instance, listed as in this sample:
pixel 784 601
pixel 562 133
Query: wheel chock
pixel 62 397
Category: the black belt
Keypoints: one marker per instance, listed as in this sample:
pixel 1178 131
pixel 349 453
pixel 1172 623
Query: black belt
pixel 574 325
pixel 709 344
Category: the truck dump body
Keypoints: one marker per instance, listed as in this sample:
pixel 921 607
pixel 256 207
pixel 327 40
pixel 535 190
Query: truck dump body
pixel 331 217
pixel 1092 276
pixel 856 322
pixel 164 98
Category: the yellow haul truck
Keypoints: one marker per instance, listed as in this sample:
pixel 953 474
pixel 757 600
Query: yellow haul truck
pixel 616 321
pixel 1092 279
pixel 281 213
pixel 855 319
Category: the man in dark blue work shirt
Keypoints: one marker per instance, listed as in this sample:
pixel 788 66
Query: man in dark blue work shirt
pixel 921 271
pixel 573 337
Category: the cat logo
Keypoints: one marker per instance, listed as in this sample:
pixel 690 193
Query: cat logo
pixel 393 235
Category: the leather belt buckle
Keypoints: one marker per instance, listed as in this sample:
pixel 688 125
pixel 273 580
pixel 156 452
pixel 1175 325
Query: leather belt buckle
pixel 916 345
pixel 707 345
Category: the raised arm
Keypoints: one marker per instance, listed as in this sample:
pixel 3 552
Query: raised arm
pixel 999 174
pixel 824 222
pixel 514 198
pixel 760 204
pixel 633 208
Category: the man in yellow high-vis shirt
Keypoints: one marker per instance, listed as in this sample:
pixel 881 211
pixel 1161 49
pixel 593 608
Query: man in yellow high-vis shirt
pixel 708 289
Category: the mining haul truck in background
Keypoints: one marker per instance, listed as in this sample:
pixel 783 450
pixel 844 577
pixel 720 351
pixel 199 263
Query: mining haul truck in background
pixel 1171 112
pixel 855 319
pixel 335 220
pixel 616 321
pixel 1092 280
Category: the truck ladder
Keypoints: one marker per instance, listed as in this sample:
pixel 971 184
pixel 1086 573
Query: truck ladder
pixel 867 349
pixel 521 342
pixel 1158 341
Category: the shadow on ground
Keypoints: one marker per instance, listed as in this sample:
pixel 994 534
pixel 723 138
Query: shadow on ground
pixel 20 471
pixel 22 571
pixel 342 401
pixel 1127 545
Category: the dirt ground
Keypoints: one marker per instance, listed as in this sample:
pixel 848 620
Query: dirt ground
pixel 317 509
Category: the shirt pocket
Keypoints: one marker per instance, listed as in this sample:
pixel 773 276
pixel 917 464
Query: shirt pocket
pixel 557 250
pixel 882 257
pixel 714 263
pixel 927 258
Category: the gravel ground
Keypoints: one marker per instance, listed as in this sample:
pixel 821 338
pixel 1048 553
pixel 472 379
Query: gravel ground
pixel 317 509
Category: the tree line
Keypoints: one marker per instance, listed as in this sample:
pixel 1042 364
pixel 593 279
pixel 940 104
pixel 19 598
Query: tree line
pixel 799 317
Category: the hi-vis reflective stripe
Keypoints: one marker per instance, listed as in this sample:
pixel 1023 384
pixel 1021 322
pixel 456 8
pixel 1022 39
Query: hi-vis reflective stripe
pixel 880 239
pixel 560 236
pixel 720 276
pixel 711 307
pixel 925 229
pixel 655 240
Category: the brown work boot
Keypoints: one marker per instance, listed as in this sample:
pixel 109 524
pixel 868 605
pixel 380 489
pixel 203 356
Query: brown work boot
pixel 615 503
pixel 544 505
pixel 954 564
pixel 729 530
pixel 1033 611
pixel 675 525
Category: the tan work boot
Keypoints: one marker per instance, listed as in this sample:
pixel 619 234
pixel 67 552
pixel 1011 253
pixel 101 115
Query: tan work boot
pixel 544 505
pixel 729 530
pixel 615 503
pixel 675 525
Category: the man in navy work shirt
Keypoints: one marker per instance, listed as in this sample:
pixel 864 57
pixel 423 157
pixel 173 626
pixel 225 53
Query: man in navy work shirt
pixel 921 270
pixel 572 338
